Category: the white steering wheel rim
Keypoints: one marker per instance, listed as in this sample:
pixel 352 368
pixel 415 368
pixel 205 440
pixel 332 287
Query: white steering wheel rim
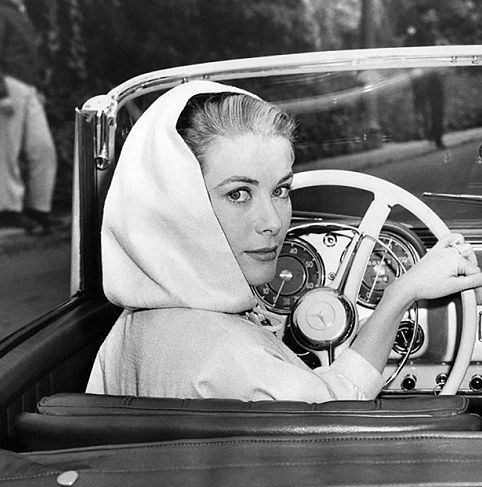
pixel 387 195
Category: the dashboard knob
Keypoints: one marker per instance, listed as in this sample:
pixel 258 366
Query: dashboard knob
pixel 476 383
pixel 409 382
pixel 441 379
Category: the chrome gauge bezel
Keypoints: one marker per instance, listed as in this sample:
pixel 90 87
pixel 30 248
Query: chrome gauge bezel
pixel 409 250
pixel 306 285
pixel 404 337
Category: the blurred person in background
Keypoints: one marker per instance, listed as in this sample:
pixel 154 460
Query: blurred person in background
pixel 427 86
pixel 25 191
pixel 429 104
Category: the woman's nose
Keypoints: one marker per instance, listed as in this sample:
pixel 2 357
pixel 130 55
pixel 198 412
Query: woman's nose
pixel 267 219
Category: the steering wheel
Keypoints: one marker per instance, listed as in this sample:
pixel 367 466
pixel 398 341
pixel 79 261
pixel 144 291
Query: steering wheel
pixel 326 317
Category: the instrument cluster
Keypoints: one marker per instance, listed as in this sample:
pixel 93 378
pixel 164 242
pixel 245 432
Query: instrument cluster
pixel 310 258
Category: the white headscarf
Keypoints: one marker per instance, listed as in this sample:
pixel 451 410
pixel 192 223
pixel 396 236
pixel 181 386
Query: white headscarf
pixel 162 245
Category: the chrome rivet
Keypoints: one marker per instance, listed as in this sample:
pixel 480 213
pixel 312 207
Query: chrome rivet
pixel 67 478
pixel 330 240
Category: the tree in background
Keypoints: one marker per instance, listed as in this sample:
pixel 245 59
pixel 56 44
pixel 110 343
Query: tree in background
pixel 439 22
pixel 338 23
pixel 92 45
pixel 146 35
pixel 61 26
pixel 435 21
pixel 233 29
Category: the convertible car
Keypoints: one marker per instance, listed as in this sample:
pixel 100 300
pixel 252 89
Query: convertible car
pixel 388 159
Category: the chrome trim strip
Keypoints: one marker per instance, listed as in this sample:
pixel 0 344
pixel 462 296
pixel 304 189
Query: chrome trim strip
pixel 106 106
pixel 321 61
pixel 474 198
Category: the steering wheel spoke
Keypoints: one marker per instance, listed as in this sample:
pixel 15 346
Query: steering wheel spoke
pixel 345 266
pixel 325 319
pixel 350 273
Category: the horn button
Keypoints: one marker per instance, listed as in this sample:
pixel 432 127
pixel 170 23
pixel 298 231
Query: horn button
pixel 322 319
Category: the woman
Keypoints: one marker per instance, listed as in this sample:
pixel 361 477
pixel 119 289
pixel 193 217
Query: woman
pixel 197 212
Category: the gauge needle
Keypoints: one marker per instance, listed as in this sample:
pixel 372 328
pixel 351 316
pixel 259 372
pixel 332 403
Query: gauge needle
pixel 284 276
pixel 278 294
pixel 379 270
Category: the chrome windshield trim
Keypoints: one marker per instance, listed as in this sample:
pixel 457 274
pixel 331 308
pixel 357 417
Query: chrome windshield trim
pixel 474 198
pixel 105 107
pixel 321 61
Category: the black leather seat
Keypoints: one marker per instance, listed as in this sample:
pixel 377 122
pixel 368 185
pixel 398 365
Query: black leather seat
pixel 75 420
pixel 439 459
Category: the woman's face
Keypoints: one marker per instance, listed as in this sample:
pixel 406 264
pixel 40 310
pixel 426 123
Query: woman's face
pixel 248 179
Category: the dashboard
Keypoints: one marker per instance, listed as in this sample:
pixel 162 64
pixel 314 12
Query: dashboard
pixel 311 254
pixel 310 258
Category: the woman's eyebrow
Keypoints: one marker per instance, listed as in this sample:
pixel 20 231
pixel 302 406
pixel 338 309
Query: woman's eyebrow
pixel 288 176
pixel 238 179
pixel 245 179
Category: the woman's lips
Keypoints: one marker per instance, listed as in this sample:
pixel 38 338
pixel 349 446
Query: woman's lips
pixel 263 254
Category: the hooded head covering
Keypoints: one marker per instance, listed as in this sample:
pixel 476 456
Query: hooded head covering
pixel 162 245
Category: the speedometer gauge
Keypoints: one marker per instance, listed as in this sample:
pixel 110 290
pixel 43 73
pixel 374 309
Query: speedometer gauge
pixel 298 270
pixel 384 267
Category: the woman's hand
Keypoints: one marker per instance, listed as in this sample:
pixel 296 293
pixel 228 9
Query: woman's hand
pixel 449 267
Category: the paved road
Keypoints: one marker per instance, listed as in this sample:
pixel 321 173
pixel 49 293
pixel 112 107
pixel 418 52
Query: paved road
pixel 455 170
pixel 33 281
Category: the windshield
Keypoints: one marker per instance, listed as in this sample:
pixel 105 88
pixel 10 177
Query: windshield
pixel 419 128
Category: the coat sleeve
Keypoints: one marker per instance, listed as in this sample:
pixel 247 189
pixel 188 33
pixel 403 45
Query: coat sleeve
pixel 257 373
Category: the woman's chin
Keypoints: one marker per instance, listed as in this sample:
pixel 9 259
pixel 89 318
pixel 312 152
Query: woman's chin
pixel 261 276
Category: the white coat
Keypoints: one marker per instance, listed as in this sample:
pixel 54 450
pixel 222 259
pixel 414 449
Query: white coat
pixel 186 331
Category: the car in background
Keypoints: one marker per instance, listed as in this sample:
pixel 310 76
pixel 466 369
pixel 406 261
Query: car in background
pixel 388 159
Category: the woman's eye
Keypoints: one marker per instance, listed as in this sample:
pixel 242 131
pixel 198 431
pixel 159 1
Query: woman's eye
pixel 239 195
pixel 282 192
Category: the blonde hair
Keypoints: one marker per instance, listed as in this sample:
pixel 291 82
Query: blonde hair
pixel 229 115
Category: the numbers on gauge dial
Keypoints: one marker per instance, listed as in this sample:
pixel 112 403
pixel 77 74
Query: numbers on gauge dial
pixel 298 270
pixel 384 267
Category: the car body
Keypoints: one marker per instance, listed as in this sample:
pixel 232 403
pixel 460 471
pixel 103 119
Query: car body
pixel 365 117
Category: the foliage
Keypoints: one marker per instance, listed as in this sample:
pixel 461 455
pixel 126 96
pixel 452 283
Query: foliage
pixel 338 22
pixel 91 45
pixel 146 35
pixel 431 22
